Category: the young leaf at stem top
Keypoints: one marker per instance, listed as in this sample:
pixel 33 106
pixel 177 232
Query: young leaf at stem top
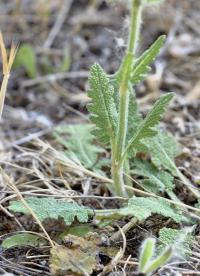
pixel 141 67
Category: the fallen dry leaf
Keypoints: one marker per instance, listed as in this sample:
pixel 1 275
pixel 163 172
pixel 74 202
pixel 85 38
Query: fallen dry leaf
pixel 79 256
pixel 71 261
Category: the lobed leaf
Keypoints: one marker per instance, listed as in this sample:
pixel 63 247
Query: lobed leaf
pixel 180 239
pixel 147 126
pixel 155 180
pixel 52 208
pixel 141 67
pixel 102 108
pixel 79 142
pixel 163 149
pixel 142 208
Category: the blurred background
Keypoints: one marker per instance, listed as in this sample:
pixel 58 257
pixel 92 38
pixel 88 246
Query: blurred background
pixel 60 39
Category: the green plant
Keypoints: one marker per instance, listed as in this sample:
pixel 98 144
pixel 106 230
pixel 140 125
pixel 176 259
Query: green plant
pixel 113 106
pixel 149 261
pixel 180 239
pixel 22 239
pixel 51 208
pixel 78 141
pixel 138 207
pixel 141 208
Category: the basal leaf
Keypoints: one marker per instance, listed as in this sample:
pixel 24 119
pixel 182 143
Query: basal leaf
pixel 141 67
pixel 162 155
pixel 52 208
pixel 147 126
pixel 168 142
pixel 102 107
pixel 142 208
pixel 154 180
pixel 163 149
pixel 22 239
pixel 180 239
pixel 79 142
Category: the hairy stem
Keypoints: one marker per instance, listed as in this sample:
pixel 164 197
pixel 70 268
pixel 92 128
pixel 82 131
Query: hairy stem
pixel 125 70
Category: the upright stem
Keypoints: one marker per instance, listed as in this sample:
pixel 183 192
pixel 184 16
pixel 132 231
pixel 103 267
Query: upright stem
pixel 125 70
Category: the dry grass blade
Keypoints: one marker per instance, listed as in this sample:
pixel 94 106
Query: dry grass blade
pixel 7 64
pixel 4 55
pixel 60 158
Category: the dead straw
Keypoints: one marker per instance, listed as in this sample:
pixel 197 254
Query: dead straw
pixel 7 62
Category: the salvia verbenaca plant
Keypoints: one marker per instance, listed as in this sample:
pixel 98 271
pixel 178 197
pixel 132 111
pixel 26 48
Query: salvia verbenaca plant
pixel 113 106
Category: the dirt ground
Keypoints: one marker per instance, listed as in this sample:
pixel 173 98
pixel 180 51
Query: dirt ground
pixel 89 31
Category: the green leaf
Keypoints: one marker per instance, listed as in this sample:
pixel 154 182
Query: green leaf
pixel 147 252
pixel 141 67
pixel 143 207
pixel 163 149
pixel 79 142
pixel 102 108
pixel 80 230
pixel 52 208
pixel 26 57
pixel 160 261
pixel 179 239
pixel 147 126
pixel 154 180
pixel 23 239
